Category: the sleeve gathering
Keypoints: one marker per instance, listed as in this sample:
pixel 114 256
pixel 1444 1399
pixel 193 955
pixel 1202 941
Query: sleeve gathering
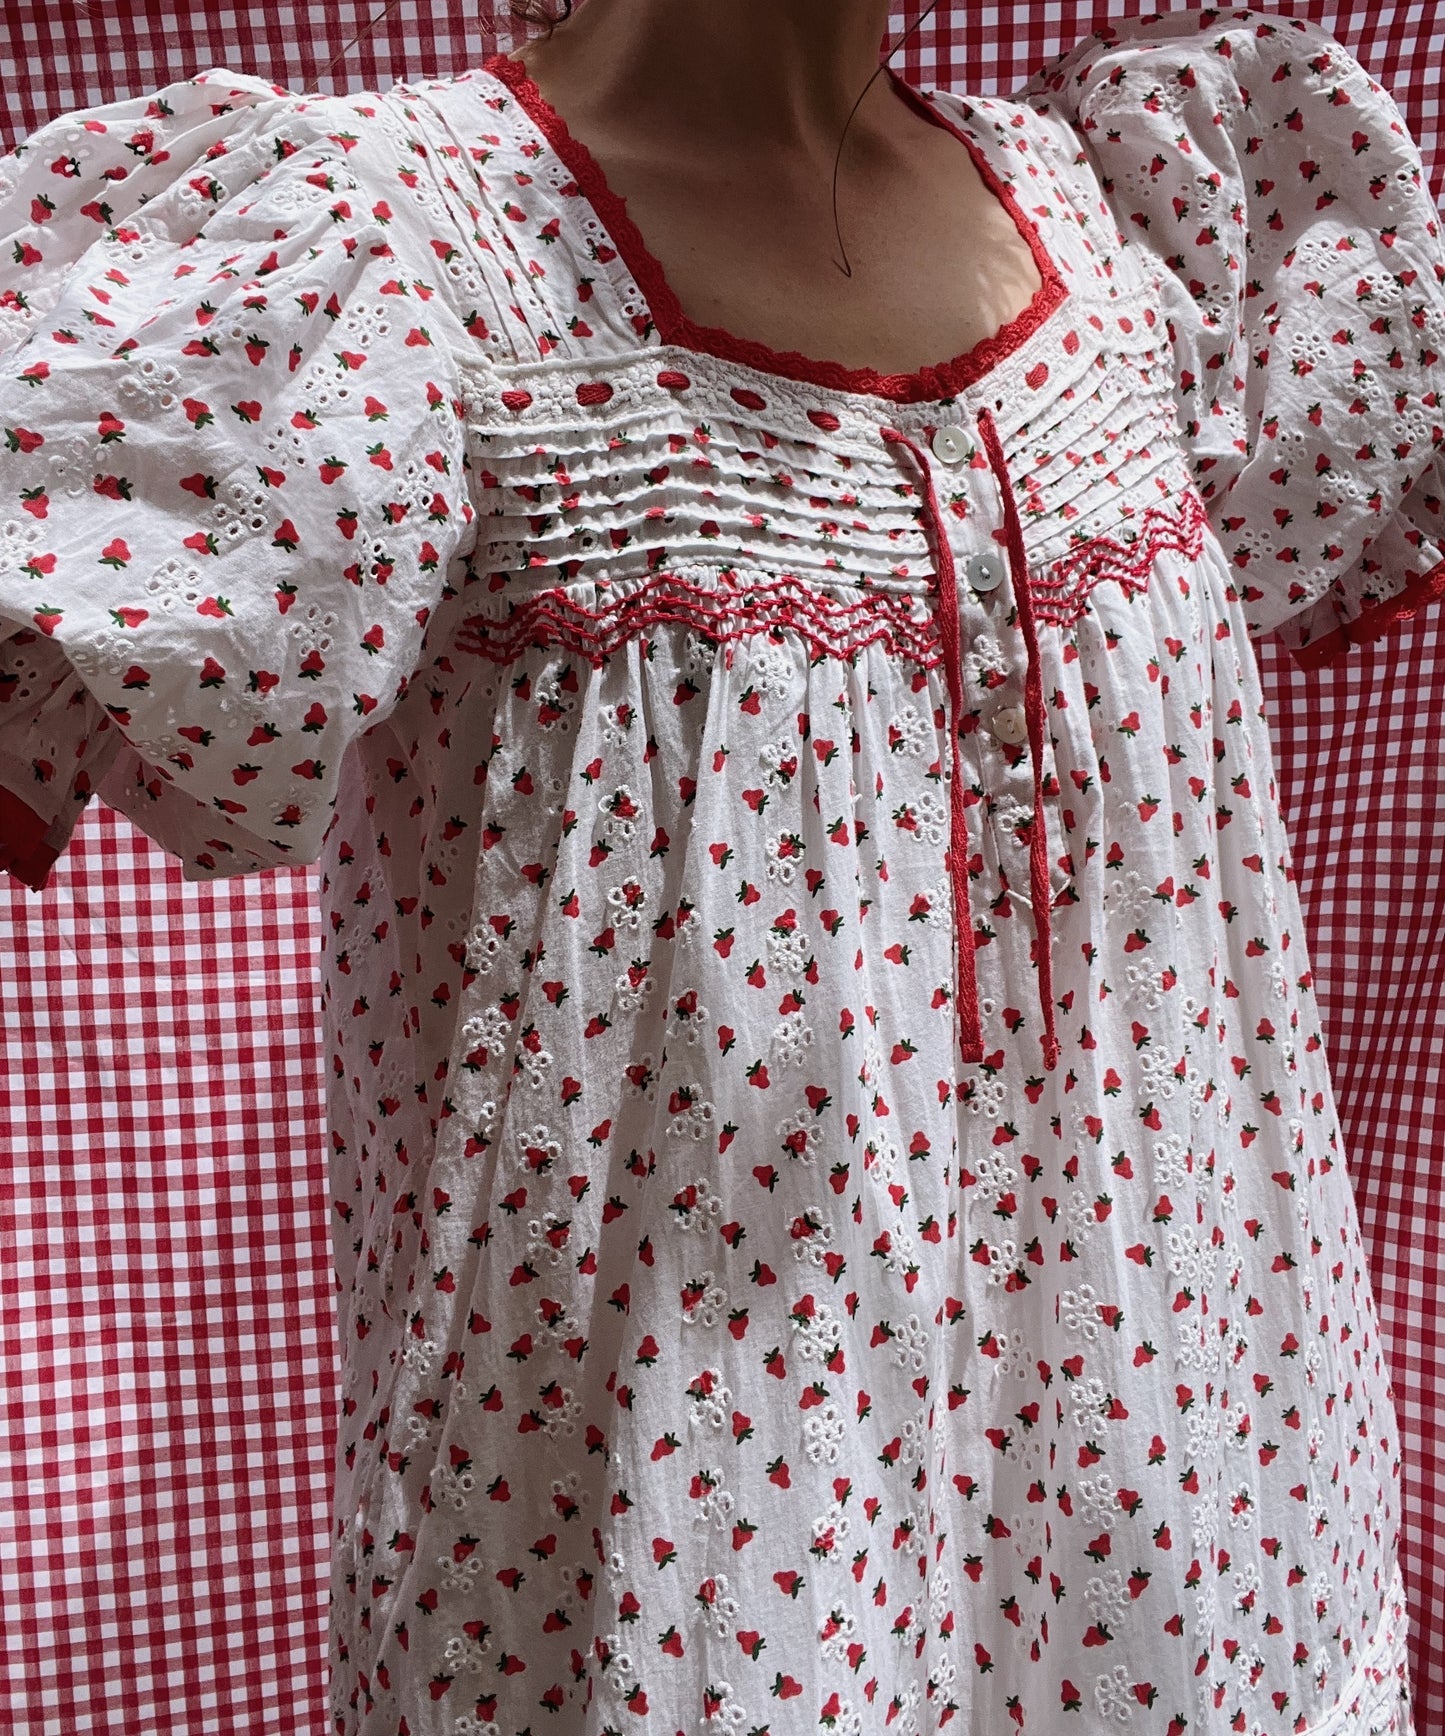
pixel 1297 250
pixel 232 456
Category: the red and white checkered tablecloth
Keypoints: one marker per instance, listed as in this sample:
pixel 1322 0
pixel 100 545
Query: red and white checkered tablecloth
pixel 164 1248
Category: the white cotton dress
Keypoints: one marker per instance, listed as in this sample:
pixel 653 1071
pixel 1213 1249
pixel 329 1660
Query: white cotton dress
pixel 839 1208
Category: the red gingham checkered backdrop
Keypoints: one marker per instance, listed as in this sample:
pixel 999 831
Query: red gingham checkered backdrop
pixel 165 1290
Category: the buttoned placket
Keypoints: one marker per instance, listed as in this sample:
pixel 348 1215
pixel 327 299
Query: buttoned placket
pixel 984 570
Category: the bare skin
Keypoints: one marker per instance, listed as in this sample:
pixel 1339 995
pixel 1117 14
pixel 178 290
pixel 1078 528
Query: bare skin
pixel 718 124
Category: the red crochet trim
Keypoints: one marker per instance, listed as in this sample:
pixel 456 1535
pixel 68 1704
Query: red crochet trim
pixel 732 609
pixel 1427 588
pixel 674 327
pixel 23 850
pixel 1059 595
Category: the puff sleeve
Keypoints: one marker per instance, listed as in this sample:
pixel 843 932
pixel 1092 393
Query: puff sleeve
pixel 1285 217
pixel 231 466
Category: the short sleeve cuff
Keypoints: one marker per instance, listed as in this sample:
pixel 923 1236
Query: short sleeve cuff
pixel 28 848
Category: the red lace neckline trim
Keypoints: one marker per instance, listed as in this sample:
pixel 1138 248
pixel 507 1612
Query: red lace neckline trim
pixel 674 327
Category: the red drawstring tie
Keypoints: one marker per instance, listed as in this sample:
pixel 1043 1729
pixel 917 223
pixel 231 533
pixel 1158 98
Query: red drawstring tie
pixel 1034 712
pixel 970 1035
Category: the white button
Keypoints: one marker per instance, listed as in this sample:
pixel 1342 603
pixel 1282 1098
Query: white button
pixel 950 445
pixel 1010 724
pixel 985 571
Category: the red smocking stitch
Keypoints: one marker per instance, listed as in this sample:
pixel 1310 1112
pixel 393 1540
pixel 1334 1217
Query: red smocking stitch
pixel 674 327
pixel 735 608
pixel 1061 592
pixel 732 608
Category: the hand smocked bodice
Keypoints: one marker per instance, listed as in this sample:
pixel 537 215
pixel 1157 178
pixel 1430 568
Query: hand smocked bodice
pixel 638 468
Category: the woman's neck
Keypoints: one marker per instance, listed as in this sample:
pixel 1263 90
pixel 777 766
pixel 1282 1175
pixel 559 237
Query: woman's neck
pixel 738 75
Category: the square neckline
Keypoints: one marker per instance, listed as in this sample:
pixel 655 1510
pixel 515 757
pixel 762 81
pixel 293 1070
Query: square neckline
pixel 676 329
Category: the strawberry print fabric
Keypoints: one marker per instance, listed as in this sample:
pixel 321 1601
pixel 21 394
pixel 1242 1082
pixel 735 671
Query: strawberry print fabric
pixel 839 1210
pixel 228 512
